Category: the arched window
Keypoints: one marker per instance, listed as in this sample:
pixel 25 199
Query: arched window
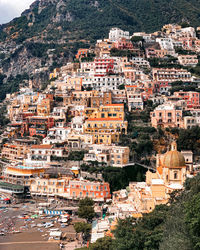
pixel 175 175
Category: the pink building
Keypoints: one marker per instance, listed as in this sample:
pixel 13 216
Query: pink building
pixel 167 115
pixel 123 44
pixel 191 98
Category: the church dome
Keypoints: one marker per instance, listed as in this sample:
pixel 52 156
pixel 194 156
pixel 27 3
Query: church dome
pixel 173 158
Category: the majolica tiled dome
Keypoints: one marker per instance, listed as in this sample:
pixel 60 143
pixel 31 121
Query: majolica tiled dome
pixel 173 158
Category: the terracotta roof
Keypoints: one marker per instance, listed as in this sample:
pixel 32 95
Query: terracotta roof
pixel 131 86
pixel 46 146
pixel 115 104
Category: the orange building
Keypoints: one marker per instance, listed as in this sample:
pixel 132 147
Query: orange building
pixel 82 53
pixel 94 190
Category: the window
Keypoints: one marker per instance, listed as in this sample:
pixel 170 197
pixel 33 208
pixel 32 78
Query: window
pixel 175 175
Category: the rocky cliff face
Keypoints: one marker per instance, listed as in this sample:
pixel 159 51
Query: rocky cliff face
pixel 48 34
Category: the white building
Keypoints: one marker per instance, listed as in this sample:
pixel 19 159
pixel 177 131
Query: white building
pixel 105 83
pixel 135 100
pixel 77 124
pixel 116 34
pixel 56 135
pixel 139 61
pixel 166 44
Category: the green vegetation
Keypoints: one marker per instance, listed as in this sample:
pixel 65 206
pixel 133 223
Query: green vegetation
pixel 122 53
pixel 3 120
pixel 84 228
pixel 11 84
pixel 90 22
pixel 172 226
pixel 118 178
pixel 86 210
pixel 166 62
pixel 76 155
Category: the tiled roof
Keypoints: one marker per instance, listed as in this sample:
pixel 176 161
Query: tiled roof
pixel 41 146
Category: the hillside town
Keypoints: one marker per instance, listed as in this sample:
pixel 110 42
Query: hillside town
pixel 118 106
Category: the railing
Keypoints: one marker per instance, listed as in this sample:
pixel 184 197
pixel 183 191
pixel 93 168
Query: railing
pixel 136 163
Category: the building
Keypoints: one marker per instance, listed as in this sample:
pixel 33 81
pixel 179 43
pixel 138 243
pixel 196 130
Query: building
pixel 171 173
pixel 112 155
pixel 134 97
pixel 98 191
pixel 104 83
pixel 37 125
pixel 166 75
pixel 188 60
pixel 191 98
pixel 42 154
pixel 14 152
pixel 21 175
pixel 116 34
pixel 189 122
pixel 50 186
pixel 166 44
pixel 82 53
pixel 167 115
pixel 123 44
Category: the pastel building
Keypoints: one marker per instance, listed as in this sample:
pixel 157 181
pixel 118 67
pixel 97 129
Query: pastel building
pixel 170 75
pixel 21 174
pixel 171 173
pixel 112 155
pixel 188 60
pixel 50 187
pixel 116 34
pixel 167 115
pixel 98 191
pixel 191 98
pixel 14 152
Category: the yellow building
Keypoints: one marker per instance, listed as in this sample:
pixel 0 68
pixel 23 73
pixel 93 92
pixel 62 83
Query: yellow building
pixel 50 186
pixel 106 111
pixel 54 74
pixel 21 175
pixel 45 107
pixel 14 152
pixel 171 173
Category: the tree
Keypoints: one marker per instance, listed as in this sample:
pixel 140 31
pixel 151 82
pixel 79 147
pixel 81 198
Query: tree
pixel 192 217
pixel 76 155
pixel 121 87
pixel 86 209
pixel 104 243
pixel 84 228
